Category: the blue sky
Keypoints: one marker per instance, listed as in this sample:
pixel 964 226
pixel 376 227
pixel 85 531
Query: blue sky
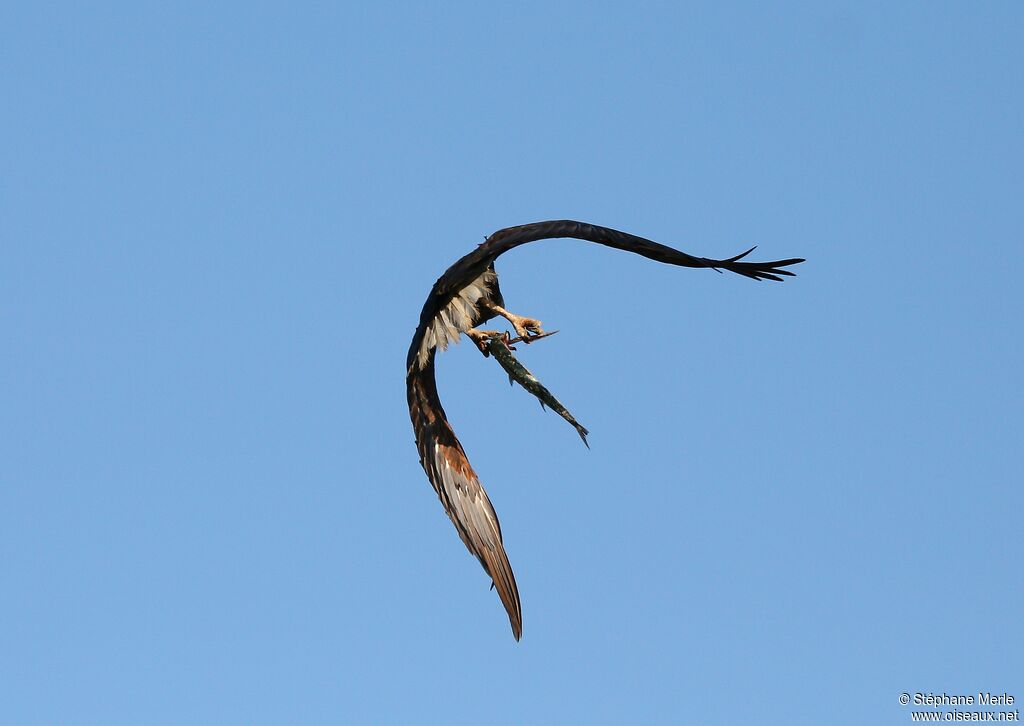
pixel 219 225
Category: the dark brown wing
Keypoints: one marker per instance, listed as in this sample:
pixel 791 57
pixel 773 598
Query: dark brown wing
pixel 459 489
pixel 470 267
pixel 504 240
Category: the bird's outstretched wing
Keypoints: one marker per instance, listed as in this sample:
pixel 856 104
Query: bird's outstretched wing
pixel 444 313
pixel 447 313
pixel 510 237
pixel 460 491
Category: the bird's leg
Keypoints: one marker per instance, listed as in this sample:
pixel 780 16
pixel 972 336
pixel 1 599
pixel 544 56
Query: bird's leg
pixel 527 328
pixel 482 338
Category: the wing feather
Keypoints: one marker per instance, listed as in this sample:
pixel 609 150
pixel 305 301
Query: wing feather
pixel 458 487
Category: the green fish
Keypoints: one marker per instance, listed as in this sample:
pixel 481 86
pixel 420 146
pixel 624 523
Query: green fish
pixel 499 346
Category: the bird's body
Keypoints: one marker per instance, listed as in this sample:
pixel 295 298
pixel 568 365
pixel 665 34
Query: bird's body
pixel 467 308
pixel 465 296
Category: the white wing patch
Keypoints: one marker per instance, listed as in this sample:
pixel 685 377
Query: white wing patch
pixel 455 318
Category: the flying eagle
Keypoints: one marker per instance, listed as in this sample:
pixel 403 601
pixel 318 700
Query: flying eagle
pixel 466 296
